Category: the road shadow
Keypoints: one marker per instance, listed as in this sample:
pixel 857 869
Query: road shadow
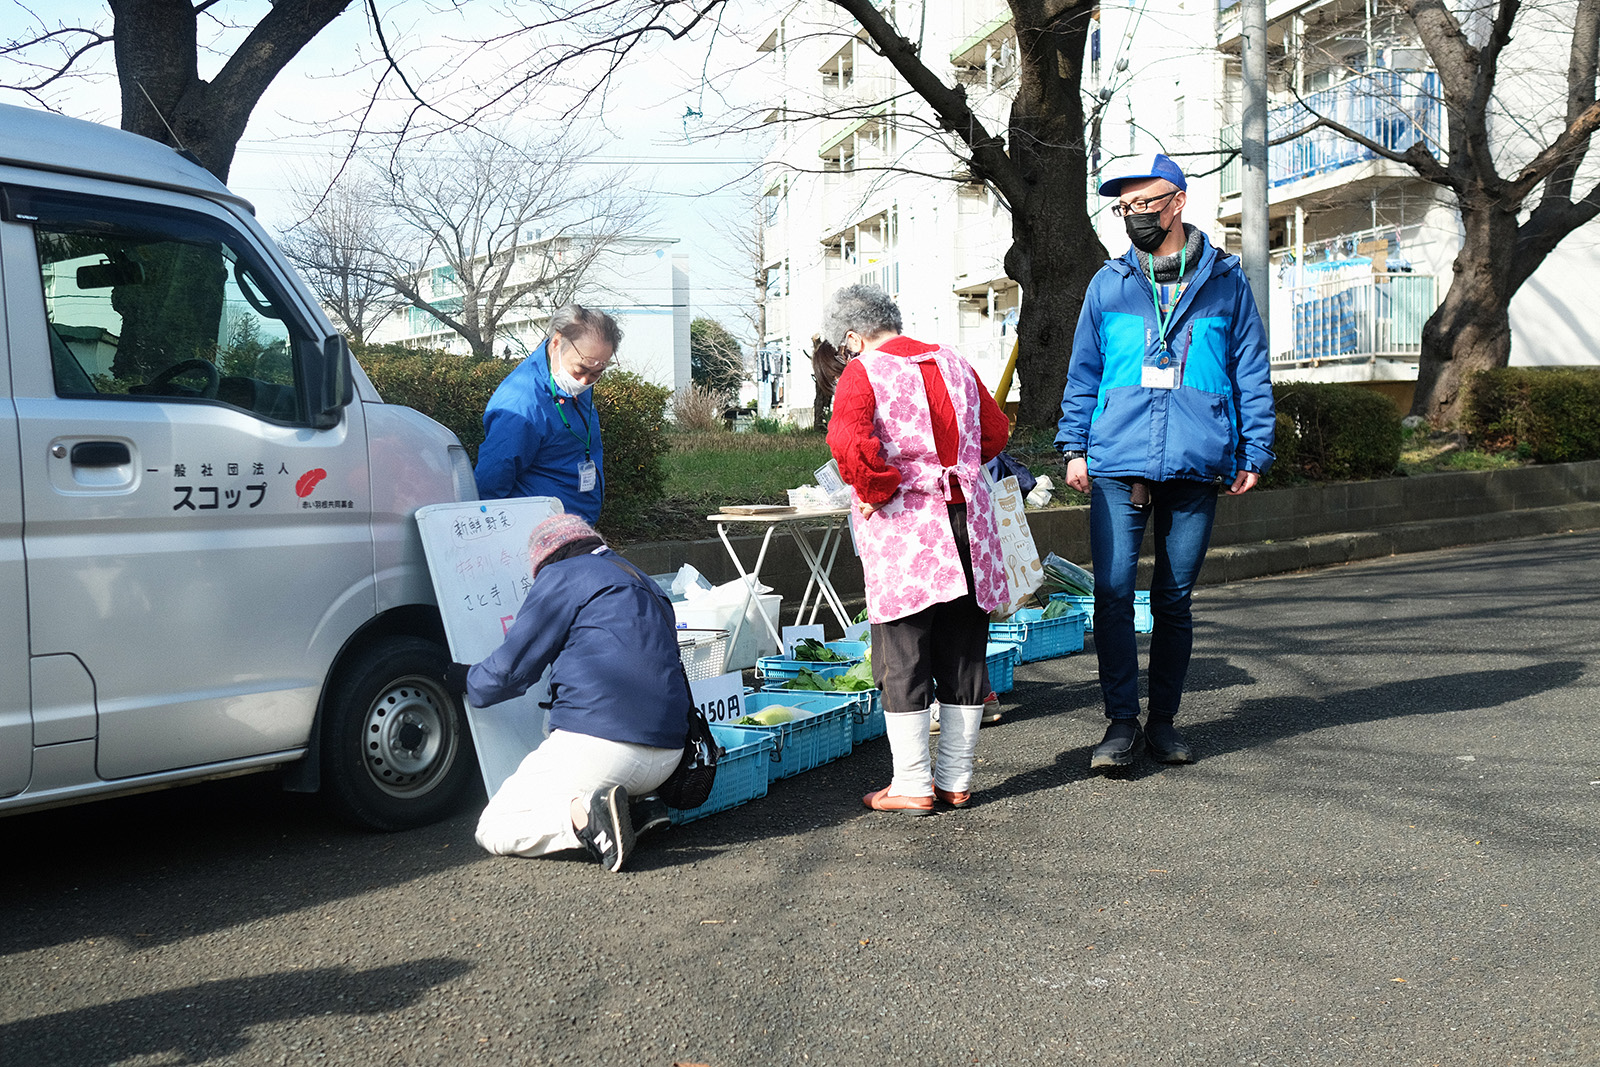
pixel 211 1020
pixel 1261 721
pixel 160 867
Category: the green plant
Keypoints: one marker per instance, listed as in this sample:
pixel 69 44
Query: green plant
pixel 1340 432
pixel 633 416
pixel 450 389
pixel 1547 414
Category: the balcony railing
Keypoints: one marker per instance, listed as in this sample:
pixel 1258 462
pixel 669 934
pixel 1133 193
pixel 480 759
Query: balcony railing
pixel 1391 107
pixel 1375 316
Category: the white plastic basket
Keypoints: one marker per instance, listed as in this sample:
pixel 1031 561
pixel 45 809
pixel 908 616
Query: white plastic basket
pixel 703 652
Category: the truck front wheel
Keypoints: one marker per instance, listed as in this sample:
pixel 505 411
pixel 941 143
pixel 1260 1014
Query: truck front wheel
pixel 396 750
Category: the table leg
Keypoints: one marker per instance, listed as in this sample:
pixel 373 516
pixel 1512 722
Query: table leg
pixel 819 572
pixel 750 580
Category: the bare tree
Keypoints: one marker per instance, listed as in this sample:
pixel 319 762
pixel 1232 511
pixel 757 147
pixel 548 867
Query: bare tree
pixel 491 228
pixel 339 246
pixel 1501 156
pixel 157 46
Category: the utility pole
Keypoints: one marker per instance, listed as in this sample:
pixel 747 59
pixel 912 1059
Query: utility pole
pixel 1253 154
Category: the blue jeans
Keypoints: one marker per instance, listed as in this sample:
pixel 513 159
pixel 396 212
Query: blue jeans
pixel 1183 512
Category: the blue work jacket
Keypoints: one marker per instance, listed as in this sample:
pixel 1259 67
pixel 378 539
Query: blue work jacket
pixel 1218 418
pixel 530 450
pixel 611 642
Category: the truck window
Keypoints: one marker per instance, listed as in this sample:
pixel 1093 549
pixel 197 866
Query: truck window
pixel 149 304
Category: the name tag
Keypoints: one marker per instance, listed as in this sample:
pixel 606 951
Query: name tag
pixel 1158 377
pixel 587 475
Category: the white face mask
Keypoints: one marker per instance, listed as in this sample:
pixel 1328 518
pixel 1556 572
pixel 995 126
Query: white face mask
pixel 566 382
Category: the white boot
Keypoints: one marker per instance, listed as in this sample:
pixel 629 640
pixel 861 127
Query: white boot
pixel 908 746
pixel 958 744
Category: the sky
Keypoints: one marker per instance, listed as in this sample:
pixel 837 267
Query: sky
pixel 647 133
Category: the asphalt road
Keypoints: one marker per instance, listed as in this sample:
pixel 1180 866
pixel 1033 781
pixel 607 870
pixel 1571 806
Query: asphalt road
pixel 1387 854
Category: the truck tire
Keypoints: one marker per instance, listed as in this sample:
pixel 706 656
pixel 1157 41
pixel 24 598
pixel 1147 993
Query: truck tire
pixel 396 751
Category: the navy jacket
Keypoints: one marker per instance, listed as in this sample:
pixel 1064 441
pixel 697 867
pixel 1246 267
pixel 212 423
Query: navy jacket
pixel 613 642
pixel 1219 418
pixel 528 450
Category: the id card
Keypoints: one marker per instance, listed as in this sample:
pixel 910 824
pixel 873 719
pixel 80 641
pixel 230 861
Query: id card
pixel 587 476
pixel 1158 377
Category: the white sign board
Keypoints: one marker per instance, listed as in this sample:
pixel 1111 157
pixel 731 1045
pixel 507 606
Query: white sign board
pixel 721 698
pixel 793 635
pixel 478 557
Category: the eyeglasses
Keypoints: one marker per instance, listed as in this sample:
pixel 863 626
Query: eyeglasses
pixel 1141 206
pixel 588 368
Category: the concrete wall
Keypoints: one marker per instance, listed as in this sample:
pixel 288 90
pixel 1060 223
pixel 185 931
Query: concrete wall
pixel 1263 532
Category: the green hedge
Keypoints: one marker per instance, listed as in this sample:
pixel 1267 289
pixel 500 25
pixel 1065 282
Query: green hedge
pixel 1330 432
pixel 453 390
pixel 1547 414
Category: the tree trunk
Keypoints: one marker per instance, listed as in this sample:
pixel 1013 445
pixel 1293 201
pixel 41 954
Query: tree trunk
pixel 1471 330
pixel 1055 250
pixel 163 95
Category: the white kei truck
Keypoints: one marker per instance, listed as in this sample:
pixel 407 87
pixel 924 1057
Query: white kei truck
pixel 209 563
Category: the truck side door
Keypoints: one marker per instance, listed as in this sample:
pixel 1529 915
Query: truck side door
pixel 16 727
pixel 191 539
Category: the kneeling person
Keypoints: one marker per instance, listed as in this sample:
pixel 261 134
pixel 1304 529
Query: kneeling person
pixel 618 699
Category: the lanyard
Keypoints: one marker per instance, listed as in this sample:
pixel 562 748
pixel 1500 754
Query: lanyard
pixel 561 409
pixel 1155 293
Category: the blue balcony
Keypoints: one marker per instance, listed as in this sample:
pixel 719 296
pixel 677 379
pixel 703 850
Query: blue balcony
pixel 1391 107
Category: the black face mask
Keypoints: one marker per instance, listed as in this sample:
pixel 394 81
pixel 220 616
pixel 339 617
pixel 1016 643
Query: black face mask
pixel 1146 231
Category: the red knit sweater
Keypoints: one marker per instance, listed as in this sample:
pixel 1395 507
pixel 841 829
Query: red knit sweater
pixel 860 454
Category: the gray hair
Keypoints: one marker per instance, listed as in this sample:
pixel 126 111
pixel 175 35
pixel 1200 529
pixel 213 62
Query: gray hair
pixel 863 309
pixel 576 322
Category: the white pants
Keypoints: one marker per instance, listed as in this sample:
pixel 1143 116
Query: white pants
pixel 531 814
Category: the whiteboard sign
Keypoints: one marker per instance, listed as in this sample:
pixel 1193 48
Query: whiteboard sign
pixel 721 699
pixel 477 554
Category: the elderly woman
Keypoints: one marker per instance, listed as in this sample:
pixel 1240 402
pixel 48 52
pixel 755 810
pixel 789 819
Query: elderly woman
pixel 912 426
pixel 619 700
pixel 541 431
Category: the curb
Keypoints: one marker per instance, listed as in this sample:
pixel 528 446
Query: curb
pixel 1232 563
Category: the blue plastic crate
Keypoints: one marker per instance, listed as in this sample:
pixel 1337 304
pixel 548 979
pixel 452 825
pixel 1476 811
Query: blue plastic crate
pixel 820 737
pixel 1143 620
pixel 741 773
pixel 1002 661
pixel 1039 638
pixel 850 649
pixel 782 667
pixel 866 718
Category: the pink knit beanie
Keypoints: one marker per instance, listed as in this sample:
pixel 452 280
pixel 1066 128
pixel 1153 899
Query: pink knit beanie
pixel 556 532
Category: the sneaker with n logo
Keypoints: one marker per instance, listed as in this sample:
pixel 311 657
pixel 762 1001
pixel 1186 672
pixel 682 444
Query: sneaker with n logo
pixel 609 833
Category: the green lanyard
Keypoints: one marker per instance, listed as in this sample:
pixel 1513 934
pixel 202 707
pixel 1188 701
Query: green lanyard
pixel 1155 293
pixel 561 409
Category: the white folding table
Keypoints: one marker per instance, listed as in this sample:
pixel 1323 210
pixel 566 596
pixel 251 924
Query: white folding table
pixel 830 522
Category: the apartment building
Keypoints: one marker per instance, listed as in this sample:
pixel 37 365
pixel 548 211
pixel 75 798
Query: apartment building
pixel 859 187
pixel 641 281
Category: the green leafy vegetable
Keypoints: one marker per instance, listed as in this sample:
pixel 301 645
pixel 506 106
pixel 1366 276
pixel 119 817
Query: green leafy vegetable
pixel 813 651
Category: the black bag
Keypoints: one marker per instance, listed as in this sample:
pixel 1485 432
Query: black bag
pixel 690 784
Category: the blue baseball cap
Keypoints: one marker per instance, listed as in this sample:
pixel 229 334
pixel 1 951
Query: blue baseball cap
pixel 1144 168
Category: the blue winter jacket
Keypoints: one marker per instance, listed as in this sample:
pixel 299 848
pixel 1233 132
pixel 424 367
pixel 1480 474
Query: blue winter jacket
pixel 528 450
pixel 1217 421
pixel 613 643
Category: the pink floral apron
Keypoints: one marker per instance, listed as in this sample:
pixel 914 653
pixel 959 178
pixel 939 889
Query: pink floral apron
pixel 907 549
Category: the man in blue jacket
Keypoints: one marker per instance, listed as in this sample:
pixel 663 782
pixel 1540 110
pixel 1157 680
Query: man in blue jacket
pixel 619 701
pixel 541 432
pixel 1168 400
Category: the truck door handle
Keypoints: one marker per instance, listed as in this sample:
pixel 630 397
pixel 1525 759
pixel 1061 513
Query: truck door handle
pixel 100 454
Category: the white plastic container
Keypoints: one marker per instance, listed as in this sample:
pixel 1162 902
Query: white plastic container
pixel 752 641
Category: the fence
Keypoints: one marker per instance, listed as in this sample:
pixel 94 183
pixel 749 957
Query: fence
pixel 1367 317
pixel 1391 107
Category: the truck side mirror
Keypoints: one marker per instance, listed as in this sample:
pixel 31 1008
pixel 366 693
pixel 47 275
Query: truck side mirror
pixel 332 386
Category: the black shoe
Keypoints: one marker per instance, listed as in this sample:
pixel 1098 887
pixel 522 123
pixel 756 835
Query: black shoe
pixel 609 833
pixel 648 812
pixel 1166 743
pixel 1118 747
